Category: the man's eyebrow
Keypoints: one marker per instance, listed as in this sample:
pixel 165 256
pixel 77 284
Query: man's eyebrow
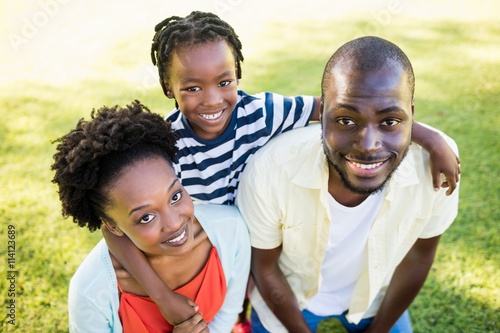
pixel 390 109
pixel 346 106
pixel 144 206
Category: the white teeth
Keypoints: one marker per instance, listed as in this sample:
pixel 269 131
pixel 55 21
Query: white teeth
pixel 367 166
pixel 211 116
pixel 178 238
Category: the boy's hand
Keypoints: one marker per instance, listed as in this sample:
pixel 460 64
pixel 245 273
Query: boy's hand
pixel 178 309
pixel 195 324
pixel 444 161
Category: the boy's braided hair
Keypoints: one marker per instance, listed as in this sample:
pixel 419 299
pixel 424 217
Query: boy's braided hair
pixel 90 157
pixel 196 28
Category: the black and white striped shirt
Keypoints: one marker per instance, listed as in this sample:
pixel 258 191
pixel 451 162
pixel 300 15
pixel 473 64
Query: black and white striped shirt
pixel 210 170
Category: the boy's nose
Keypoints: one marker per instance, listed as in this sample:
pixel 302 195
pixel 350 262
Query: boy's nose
pixel 212 97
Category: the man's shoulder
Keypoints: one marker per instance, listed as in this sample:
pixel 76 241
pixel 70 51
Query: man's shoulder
pixel 286 154
pixel 297 137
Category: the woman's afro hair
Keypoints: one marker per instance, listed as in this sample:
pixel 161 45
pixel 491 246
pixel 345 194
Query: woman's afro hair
pixel 93 154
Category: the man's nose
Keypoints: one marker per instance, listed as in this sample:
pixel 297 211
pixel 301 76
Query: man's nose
pixel 369 139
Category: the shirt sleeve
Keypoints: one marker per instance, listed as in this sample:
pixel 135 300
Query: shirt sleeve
pixel 259 208
pixel 93 295
pixel 288 112
pixel 85 316
pixel 237 278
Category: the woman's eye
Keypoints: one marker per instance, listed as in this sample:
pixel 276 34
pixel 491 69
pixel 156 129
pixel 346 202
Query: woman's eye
pixel 147 218
pixel 176 197
pixel 346 122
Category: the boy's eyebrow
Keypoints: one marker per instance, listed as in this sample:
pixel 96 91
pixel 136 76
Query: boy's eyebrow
pixel 176 180
pixel 196 79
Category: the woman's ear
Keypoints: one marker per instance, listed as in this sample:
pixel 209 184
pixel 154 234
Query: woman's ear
pixel 112 227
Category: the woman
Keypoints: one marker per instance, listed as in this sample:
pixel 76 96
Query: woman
pixel 116 171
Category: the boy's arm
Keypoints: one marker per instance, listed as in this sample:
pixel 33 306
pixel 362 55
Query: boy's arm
pixel 442 158
pixel 317 107
pixel 174 307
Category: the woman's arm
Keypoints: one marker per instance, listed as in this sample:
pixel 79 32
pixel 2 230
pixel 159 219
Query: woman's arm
pixel 174 307
pixel 442 158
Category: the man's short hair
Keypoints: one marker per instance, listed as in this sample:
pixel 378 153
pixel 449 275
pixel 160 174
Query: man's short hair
pixel 368 54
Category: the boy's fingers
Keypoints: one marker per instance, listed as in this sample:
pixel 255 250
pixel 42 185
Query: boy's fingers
pixel 436 180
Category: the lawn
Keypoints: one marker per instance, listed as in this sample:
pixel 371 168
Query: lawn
pixel 57 72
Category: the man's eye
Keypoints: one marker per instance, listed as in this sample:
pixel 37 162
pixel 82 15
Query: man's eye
pixel 346 122
pixel 147 218
pixel 390 122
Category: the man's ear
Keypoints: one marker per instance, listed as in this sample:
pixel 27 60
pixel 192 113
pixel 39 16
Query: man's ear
pixel 321 110
pixel 112 227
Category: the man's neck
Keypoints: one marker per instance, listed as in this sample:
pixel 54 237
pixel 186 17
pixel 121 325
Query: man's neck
pixel 341 194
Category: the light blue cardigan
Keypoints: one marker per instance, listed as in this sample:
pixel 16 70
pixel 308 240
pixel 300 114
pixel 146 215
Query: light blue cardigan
pixel 93 293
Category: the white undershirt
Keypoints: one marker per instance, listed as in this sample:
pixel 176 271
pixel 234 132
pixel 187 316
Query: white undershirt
pixel 345 254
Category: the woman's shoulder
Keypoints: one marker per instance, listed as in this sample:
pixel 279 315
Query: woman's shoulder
pixel 95 272
pixel 219 220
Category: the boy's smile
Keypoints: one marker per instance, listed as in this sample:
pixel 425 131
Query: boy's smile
pixel 203 81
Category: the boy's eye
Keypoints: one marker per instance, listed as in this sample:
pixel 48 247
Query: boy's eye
pixel 176 197
pixel 147 218
pixel 225 83
pixel 390 122
pixel 193 89
pixel 346 122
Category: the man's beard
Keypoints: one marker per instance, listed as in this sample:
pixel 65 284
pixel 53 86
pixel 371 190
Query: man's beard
pixel 350 186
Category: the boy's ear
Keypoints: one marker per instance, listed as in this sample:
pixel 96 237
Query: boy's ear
pixel 168 90
pixel 112 227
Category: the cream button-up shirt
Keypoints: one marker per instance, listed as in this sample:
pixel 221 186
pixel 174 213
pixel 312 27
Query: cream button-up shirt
pixel 283 199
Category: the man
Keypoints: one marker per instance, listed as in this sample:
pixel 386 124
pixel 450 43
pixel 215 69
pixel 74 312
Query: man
pixel 343 220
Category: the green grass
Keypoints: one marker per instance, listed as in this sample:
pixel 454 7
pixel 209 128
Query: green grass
pixel 456 64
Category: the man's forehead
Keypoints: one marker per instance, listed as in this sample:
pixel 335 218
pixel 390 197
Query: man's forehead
pixel 347 79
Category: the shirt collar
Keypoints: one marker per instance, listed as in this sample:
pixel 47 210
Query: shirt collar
pixel 313 172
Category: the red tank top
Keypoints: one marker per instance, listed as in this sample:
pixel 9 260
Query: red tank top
pixel 140 314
